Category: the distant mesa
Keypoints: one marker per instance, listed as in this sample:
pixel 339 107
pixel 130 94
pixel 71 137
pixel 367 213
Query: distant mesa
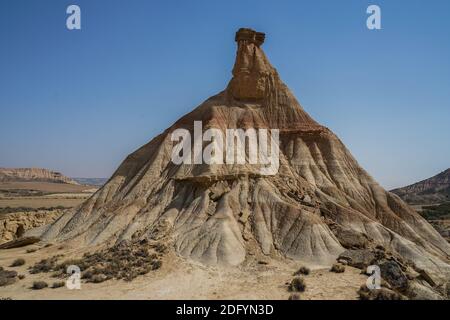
pixel 33 175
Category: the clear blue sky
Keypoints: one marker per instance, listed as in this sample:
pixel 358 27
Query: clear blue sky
pixel 80 101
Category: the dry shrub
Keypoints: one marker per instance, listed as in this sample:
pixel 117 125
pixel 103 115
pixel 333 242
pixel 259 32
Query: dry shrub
pixel 378 294
pixel 6 281
pixel 294 296
pixel 38 285
pixel 297 285
pixel 338 268
pixel 45 265
pixel 98 278
pixel 126 261
pixel 302 271
pixel 18 262
pixel 156 264
pixel 87 274
pixel 7 277
pixel 58 284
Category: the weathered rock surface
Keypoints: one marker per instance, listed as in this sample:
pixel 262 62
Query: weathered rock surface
pixel 215 214
pixel 21 242
pixel 349 238
pixel 379 294
pixel 359 258
pixel 15 225
pixel 394 275
pixel 420 291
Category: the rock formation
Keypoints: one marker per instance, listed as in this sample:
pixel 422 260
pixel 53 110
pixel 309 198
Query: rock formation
pixel 429 191
pixel 33 174
pixel 318 203
pixel 14 225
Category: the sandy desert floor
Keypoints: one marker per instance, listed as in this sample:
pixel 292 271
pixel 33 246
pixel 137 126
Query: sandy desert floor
pixel 41 194
pixel 179 279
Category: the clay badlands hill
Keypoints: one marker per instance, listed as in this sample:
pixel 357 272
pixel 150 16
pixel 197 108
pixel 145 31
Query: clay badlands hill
pixel 319 206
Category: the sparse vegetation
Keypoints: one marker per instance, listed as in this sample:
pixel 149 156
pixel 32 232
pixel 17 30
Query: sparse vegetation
pixel 45 265
pixel 436 212
pixel 378 294
pixel 160 247
pixel 29 209
pixel 124 261
pixel 18 262
pixel 21 276
pixel 98 278
pixel 88 274
pixel 338 268
pixel 6 281
pixel 7 277
pixel 297 285
pixel 58 284
pixel 156 264
pixel 39 285
pixel 302 271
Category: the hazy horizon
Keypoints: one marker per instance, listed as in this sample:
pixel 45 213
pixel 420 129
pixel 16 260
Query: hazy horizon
pixel 79 102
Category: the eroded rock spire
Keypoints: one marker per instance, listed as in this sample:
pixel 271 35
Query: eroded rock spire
pixel 251 70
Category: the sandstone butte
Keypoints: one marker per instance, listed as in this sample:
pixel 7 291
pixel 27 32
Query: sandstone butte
pixel 214 214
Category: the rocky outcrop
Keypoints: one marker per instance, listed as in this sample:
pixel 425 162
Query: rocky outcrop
pixel 319 201
pixel 359 258
pixel 20 242
pixel 433 190
pixel 15 225
pixel 33 174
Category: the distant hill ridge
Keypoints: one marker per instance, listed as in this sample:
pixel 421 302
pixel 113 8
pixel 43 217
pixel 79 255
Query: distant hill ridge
pixel 433 190
pixel 91 181
pixel 33 174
